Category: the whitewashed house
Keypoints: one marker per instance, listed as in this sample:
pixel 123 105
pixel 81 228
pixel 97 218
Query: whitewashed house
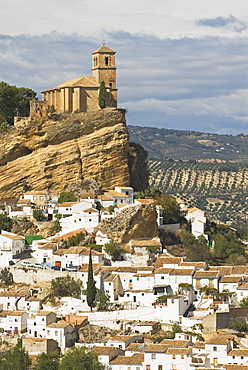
pixel 128 191
pixel 229 283
pixel 242 291
pixel 196 218
pixel 62 332
pixel 217 348
pixel 11 245
pixel 14 322
pixel 113 287
pixel 37 323
pixel 134 362
pixel 15 299
pixel 180 275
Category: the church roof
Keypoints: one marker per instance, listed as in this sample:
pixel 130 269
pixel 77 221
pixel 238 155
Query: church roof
pixel 82 81
pixel 104 49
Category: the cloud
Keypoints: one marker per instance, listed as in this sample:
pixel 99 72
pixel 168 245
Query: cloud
pixel 230 22
pixel 191 83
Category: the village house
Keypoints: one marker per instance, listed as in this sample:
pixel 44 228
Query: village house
pixel 197 220
pixel 134 362
pixel 11 245
pixel 15 299
pixel 43 252
pixel 217 348
pixel 62 332
pixel 208 279
pixel 14 322
pixel 123 341
pixel 113 287
pixel 107 354
pixel 37 323
pixel 229 283
pixel 242 291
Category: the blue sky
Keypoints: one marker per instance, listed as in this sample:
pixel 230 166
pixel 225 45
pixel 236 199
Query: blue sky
pixel 181 65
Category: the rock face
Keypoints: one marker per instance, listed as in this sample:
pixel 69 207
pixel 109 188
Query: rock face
pixel 64 150
pixel 138 222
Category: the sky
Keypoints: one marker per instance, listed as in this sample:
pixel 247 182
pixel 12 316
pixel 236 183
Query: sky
pixel 180 64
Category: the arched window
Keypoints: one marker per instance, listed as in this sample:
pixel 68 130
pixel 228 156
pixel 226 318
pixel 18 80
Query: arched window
pixel 106 61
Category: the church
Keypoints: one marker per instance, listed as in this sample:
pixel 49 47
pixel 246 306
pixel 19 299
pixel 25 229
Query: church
pixel 81 94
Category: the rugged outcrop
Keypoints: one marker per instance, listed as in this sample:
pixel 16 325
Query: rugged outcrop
pixel 138 167
pixel 138 222
pixel 65 149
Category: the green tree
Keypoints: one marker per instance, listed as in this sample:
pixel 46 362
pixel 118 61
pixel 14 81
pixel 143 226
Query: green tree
pixel 47 361
pixel 91 288
pixel 244 302
pixel 171 209
pixel 67 196
pixel 150 193
pixel 38 215
pixel 227 245
pixel 14 100
pixel 102 300
pixel 66 287
pixel 79 358
pixel 114 250
pixel 102 95
pixel 196 249
pixel 15 359
pixel 6 223
pixel 238 324
pixel 6 276
pixel 56 226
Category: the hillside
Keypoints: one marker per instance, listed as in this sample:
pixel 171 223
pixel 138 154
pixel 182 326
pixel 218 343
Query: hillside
pixel 190 145
pixel 220 187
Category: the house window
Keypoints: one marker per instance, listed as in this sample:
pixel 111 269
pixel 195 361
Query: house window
pixel 242 357
pixel 160 367
pixel 90 219
pixel 137 278
pixel 173 357
pixel 56 333
pixel 106 61
pixel 29 331
pixel 109 283
pixel 48 332
pixel 79 219
pixel 128 294
pixel 153 356
pixel 162 277
pixel 214 348
pixel 148 367
pixel 143 294
pixel 198 283
pixel 182 357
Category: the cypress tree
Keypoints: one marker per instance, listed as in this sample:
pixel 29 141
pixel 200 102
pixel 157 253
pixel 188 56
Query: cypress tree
pixel 102 95
pixel 91 289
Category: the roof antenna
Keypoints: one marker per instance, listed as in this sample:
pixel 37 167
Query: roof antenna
pixel 103 42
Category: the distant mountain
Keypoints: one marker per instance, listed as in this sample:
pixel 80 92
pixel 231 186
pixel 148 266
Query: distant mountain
pixel 185 145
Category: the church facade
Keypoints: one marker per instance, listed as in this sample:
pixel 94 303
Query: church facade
pixel 81 94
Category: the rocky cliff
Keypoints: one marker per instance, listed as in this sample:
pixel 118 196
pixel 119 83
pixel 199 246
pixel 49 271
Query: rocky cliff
pixel 65 149
pixel 138 222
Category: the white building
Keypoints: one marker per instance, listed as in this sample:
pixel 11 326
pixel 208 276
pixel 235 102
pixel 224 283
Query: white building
pixel 11 245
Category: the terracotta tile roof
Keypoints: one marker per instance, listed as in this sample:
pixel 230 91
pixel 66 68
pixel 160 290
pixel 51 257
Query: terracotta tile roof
pixel 206 274
pixel 59 324
pixel 238 352
pixel 230 279
pixel 145 268
pixel 135 359
pixel 13 236
pixel 111 277
pixel 224 270
pixel 84 267
pixel 144 274
pixel 16 313
pixel 239 270
pixel 182 272
pixel 103 49
pixel 93 252
pixel 84 81
pixel 243 286
pixel 123 269
pixel 71 250
pixel 235 367
pixel 115 194
pixel 159 348
pixel 66 204
pixel 218 340
pixel 103 350
pixel 163 270
pixel 19 292
pixel 68 235
pixel 121 338
pixel 136 347
pixel 52 246
pixel 90 210
pixel 35 192
pixel 104 197
pixel 175 343
pixel 177 351
pixel 161 261
pixel 197 265
pixel 44 313
pixel 145 201
pixel 198 344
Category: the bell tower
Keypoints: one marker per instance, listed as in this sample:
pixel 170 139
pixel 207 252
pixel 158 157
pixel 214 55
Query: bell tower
pixel 104 69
